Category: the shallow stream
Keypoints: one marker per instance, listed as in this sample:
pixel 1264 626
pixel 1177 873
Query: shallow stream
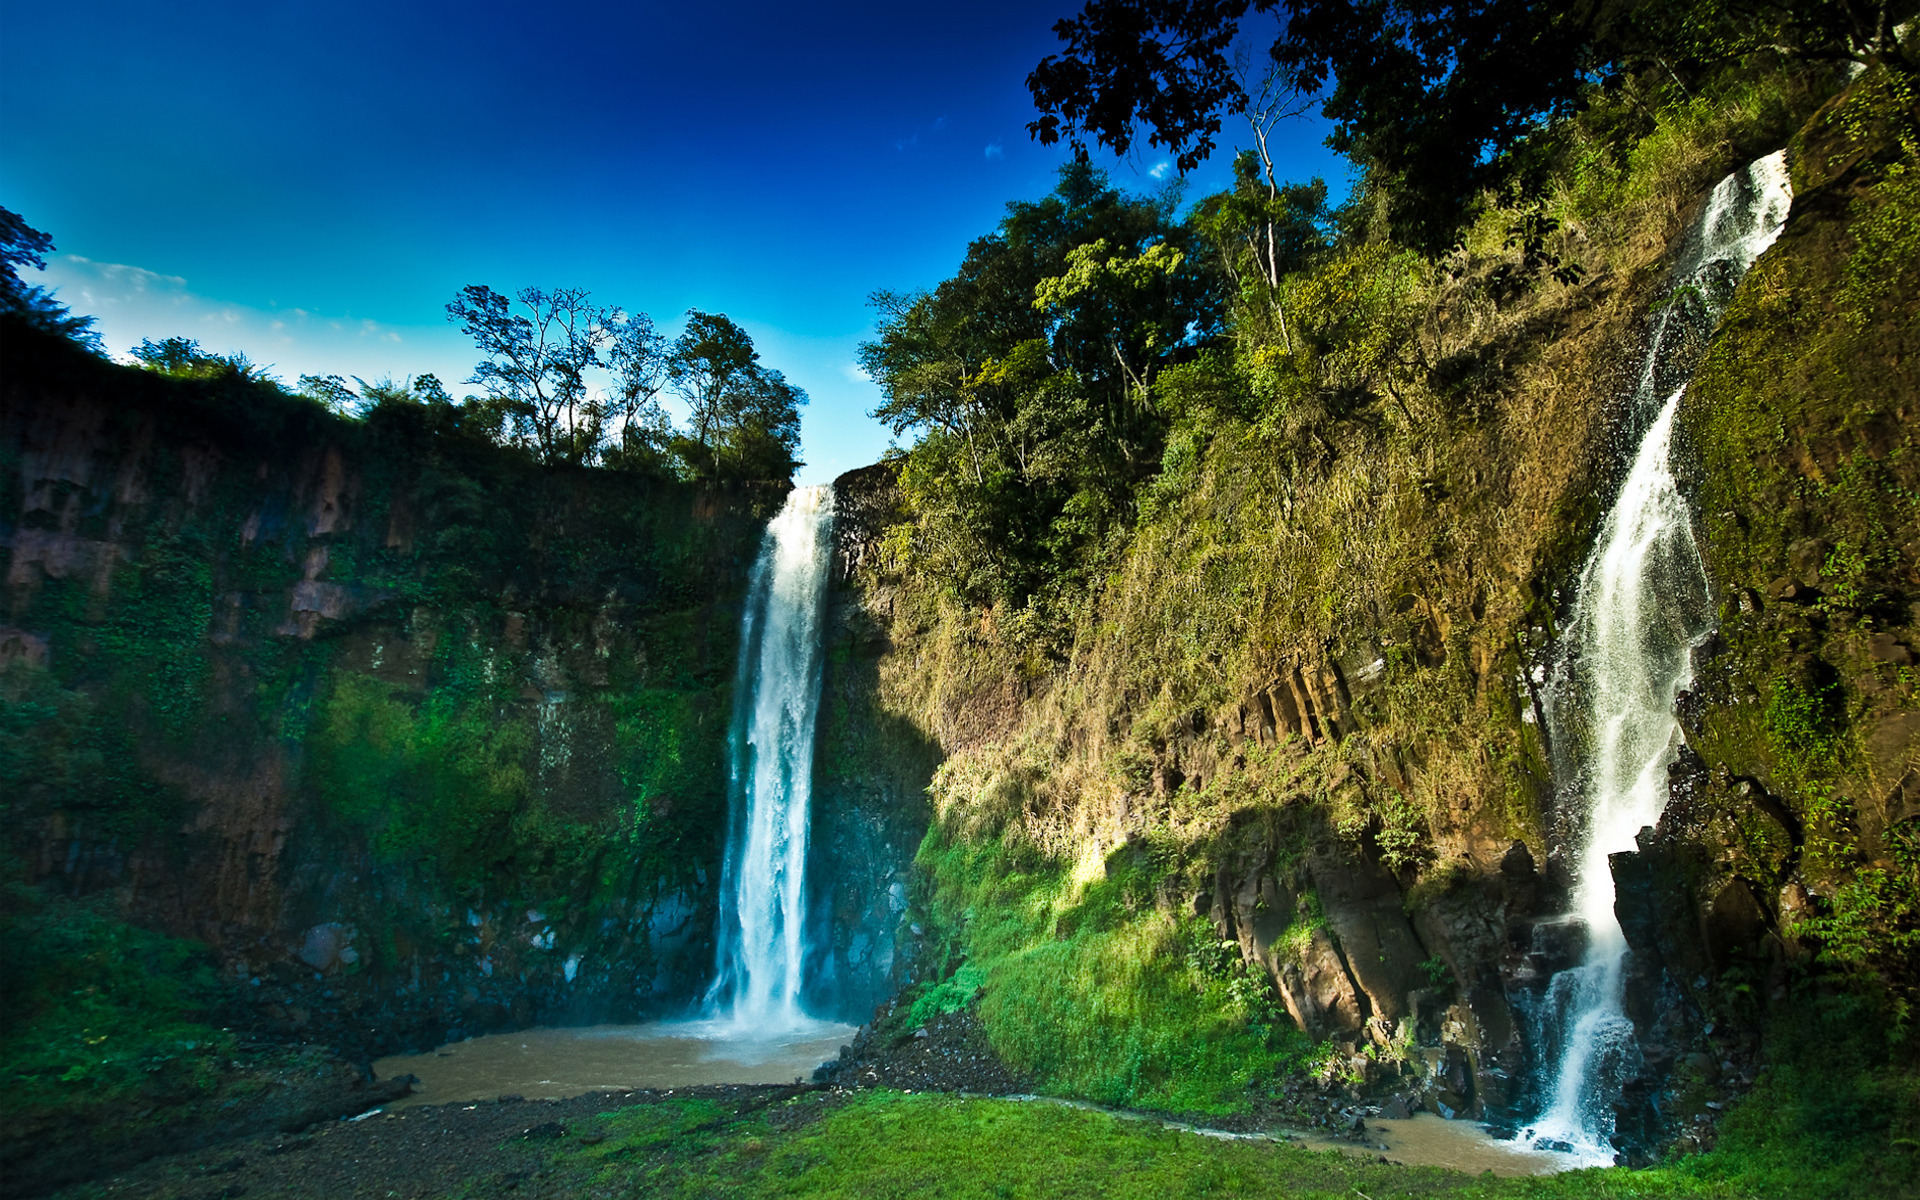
pixel 555 1064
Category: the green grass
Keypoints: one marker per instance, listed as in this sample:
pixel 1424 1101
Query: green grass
pixel 886 1144
pixel 1095 991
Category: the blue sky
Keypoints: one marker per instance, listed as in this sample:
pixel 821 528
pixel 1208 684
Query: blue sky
pixel 310 183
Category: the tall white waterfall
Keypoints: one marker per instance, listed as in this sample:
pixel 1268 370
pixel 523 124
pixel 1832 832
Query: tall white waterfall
pixel 1642 607
pixel 761 943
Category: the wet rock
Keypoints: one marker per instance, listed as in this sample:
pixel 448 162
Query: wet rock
pixel 1445 1103
pixel 1733 925
pixel 1496 1089
pixel 1557 944
pixel 1396 1109
pixel 1885 648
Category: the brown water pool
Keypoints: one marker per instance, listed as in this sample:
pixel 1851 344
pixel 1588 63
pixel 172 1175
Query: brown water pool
pixel 554 1064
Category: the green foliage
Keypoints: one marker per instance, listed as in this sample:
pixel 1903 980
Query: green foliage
pixel 745 415
pixel 1029 378
pixel 1886 223
pixel 98 1011
pixel 61 747
pixel 1837 1112
pixel 1804 719
pixel 1871 923
pixel 441 784
pixel 1099 994
pixel 948 996
pixel 183 358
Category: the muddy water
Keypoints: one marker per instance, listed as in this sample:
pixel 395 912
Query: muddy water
pixel 1425 1140
pixel 554 1064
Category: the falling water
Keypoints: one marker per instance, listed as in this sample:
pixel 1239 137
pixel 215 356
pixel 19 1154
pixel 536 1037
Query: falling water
pixel 1642 607
pixel 776 692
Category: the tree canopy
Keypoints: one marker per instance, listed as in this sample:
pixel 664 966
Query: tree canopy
pixel 745 416
pixel 541 350
pixel 1441 96
pixel 21 245
pixel 544 351
pixel 1028 378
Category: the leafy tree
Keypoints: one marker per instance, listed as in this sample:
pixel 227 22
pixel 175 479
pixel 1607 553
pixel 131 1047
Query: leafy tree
pixel 1444 97
pixel 420 403
pixel 21 245
pixel 745 415
pixel 540 358
pixel 1027 378
pixel 1263 231
pixel 332 391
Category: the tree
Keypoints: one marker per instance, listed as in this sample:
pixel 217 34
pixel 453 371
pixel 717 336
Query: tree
pixel 183 358
pixel 745 417
pixel 1264 230
pixel 1026 378
pixel 540 359
pixel 21 245
pixel 1444 97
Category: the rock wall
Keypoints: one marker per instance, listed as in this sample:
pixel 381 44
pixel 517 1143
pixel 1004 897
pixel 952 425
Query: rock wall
pixel 1360 797
pixel 871 771
pixel 421 738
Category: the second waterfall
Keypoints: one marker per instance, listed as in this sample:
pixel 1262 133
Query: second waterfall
pixel 1641 609
pixel 762 949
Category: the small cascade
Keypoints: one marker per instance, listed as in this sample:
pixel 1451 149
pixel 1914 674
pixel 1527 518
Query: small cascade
pixel 1642 606
pixel 762 926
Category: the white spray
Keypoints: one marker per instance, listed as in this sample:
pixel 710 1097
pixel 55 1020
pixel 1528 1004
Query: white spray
pixel 762 928
pixel 1642 607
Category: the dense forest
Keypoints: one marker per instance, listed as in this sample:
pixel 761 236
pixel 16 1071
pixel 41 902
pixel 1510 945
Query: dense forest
pixel 1184 726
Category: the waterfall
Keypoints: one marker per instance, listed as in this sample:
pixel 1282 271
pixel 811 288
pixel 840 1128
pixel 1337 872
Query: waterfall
pixel 1641 607
pixel 761 942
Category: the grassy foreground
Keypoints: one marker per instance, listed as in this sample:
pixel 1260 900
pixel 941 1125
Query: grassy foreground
pixel 888 1144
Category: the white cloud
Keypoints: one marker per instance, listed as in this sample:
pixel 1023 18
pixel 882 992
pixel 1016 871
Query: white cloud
pixel 1160 169
pixel 855 373
pixel 995 150
pixel 129 303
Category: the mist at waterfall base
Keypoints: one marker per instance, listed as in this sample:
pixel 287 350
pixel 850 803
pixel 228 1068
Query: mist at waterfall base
pixel 752 1026
pixel 1641 608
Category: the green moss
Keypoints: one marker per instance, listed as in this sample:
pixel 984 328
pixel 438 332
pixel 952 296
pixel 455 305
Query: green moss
pixel 97 1012
pixel 1098 993
pixel 438 784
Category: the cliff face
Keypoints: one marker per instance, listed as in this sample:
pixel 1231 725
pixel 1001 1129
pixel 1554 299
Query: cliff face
pixel 1302 709
pixel 421 739
pixel 871 771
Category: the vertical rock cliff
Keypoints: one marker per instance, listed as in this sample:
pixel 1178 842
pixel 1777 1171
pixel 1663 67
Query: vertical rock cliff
pixel 420 738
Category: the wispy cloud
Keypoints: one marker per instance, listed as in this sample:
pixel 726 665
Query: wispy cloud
pixel 995 150
pixel 855 373
pixel 1161 169
pixel 912 141
pixel 129 303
